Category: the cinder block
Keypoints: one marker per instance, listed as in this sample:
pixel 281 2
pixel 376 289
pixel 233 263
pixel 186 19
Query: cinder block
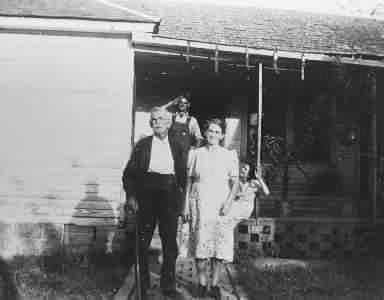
pixel 244 238
pixel 266 221
pixel 241 256
pixel 52 231
pixel 266 238
pixel 251 234
pixel 255 238
pixel 242 228
pixel 79 236
pixel 28 230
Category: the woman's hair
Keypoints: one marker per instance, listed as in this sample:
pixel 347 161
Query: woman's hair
pixel 252 168
pixel 219 122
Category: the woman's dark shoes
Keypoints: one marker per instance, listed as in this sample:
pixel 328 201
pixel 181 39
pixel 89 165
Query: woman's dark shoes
pixel 215 292
pixel 202 291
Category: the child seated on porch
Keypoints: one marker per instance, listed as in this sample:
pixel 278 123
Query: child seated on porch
pixel 247 198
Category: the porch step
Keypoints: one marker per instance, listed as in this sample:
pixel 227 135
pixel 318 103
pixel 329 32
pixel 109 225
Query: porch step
pixel 314 181
pixel 304 205
pixel 310 189
pixel 293 193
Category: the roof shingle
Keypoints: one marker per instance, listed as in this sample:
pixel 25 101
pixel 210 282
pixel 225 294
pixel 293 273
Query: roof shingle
pixel 265 28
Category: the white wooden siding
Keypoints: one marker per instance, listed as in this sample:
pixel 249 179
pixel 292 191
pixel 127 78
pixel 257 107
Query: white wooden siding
pixel 65 120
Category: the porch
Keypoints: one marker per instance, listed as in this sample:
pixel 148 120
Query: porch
pixel 320 134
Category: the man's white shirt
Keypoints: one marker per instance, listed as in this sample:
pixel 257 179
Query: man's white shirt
pixel 161 160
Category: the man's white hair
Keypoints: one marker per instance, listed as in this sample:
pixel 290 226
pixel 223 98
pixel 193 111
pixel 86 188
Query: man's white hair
pixel 162 111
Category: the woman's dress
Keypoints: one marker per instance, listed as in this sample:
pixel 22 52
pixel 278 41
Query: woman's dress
pixel 212 170
pixel 244 201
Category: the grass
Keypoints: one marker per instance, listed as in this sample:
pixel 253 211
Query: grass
pixel 356 279
pixel 37 279
pixel 45 279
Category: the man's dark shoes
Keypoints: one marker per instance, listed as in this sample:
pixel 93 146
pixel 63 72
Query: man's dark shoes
pixel 202 291
pixel 215 292
pixel 172 294
pixel 144 294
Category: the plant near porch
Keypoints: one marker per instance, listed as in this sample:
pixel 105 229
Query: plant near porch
pixel 276 162
pixel 285 162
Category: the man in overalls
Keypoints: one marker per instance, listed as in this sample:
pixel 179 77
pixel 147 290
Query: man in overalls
pixel 185 127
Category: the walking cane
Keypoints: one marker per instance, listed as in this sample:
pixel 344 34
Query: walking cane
pixel 137 286
pixel 137 260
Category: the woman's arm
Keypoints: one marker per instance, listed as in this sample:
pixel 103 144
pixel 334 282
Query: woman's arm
pixel 188 187
pixel 231 197
pixel 234 183
pixel 263 185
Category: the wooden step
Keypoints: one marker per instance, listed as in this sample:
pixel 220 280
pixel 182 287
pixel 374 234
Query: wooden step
pixel 305 205
pixel 311 199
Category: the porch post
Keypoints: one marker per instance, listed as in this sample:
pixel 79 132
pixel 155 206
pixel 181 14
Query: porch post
pixel 380 147
pixel 133 101
pixel 373 152
pixel 260 113
pixel 289 136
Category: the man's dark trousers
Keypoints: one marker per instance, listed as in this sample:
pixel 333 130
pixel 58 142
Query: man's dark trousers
pixel 157 200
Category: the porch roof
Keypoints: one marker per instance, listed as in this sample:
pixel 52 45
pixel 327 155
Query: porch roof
pixel 241 56
pixel 285 30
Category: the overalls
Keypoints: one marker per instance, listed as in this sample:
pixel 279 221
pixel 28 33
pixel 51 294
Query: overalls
pixel 181 132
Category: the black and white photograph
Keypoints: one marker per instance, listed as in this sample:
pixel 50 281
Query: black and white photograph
pixel 191 149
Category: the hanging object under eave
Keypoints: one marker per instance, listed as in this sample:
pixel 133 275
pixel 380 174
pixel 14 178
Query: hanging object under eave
pixel 216 59
pixel 303 66
pixel 188 55
pixel 275 59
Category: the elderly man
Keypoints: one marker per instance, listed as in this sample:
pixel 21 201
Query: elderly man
pixel 154 180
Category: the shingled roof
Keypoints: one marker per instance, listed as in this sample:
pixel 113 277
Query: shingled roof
pixel 74 9
pixel 230 25
pixel 265 28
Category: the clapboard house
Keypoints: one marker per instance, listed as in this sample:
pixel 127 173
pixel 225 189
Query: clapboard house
pixel 78 82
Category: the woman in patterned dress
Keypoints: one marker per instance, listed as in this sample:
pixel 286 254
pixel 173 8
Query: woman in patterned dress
pixel 211 188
